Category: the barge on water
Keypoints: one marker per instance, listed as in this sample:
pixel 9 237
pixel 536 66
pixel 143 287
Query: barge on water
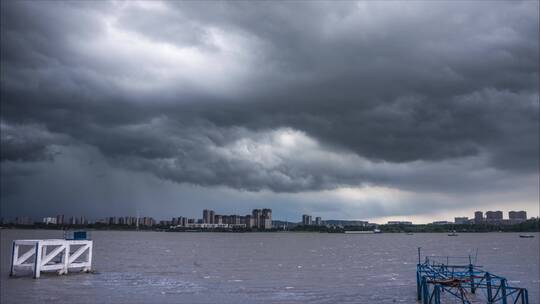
pixel 374 231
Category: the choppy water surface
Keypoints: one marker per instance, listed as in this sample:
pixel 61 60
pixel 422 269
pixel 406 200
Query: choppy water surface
pixel 160 267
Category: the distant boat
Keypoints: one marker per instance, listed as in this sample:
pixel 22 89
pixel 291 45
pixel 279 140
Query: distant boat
pixel 453 233
pixel 377 231
pixel 358 232
pixel 526 236
pixel 410 233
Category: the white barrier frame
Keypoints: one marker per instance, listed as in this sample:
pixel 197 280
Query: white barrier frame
pixel 42 258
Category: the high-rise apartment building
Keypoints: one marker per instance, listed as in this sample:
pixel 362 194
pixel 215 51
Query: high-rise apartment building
pixel 307 220
pixel 234 220
pixel 208 216
pixel 23 220
pixel 257 217
pixel 249 221
pixel 516 217
pixel 513 215
pixel 147 221
pixel 212 216
pixel 494 216
pixel 478 217
pixel 266 219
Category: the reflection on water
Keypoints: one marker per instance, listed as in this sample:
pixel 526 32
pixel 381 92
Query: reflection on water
pixel 159 267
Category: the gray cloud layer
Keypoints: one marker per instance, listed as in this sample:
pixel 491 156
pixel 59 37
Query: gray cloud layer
pixel 286 97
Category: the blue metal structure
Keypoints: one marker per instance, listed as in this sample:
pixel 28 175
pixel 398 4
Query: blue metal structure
pixel 465 282
pixel 76 235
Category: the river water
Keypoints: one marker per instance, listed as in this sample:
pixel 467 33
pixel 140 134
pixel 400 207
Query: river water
pixel 162 267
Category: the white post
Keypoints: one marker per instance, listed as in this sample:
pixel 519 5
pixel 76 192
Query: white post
pixel 14 257
pixel 89 267
pixel 65 259
pixel 37 263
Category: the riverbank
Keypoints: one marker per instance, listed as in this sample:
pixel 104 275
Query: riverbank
pixel 532 225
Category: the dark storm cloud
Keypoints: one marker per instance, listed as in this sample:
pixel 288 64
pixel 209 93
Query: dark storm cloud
pixel 211 93
pixel 27 143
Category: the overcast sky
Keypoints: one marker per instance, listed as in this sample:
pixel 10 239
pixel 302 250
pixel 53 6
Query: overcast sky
pixel 347 110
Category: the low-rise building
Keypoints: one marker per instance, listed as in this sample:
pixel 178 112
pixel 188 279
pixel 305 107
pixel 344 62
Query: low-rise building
pixel 399 223
pixel 461 220
pixel 441 223
pixel 214 226
pixel 49 220
pixel 23 220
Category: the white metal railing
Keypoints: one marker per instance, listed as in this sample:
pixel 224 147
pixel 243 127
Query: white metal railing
pixel 52 254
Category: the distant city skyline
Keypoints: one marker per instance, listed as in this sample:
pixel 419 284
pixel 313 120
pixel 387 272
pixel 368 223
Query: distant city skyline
pixel 258 216
pixel 372 110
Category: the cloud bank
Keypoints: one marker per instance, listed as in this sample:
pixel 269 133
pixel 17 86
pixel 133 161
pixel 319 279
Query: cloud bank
pixel 273 101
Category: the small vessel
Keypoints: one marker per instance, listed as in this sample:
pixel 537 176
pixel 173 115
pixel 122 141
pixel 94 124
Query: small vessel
pixel 453 233
pixel 410 233
pixel 377 231
pixel 528 236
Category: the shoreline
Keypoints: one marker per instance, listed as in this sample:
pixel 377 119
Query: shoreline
pixel 351 232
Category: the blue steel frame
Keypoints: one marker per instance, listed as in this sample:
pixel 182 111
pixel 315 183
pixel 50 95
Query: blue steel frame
pixel 434 278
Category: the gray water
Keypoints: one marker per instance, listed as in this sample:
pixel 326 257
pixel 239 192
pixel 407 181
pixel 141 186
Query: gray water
pixel 161 267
